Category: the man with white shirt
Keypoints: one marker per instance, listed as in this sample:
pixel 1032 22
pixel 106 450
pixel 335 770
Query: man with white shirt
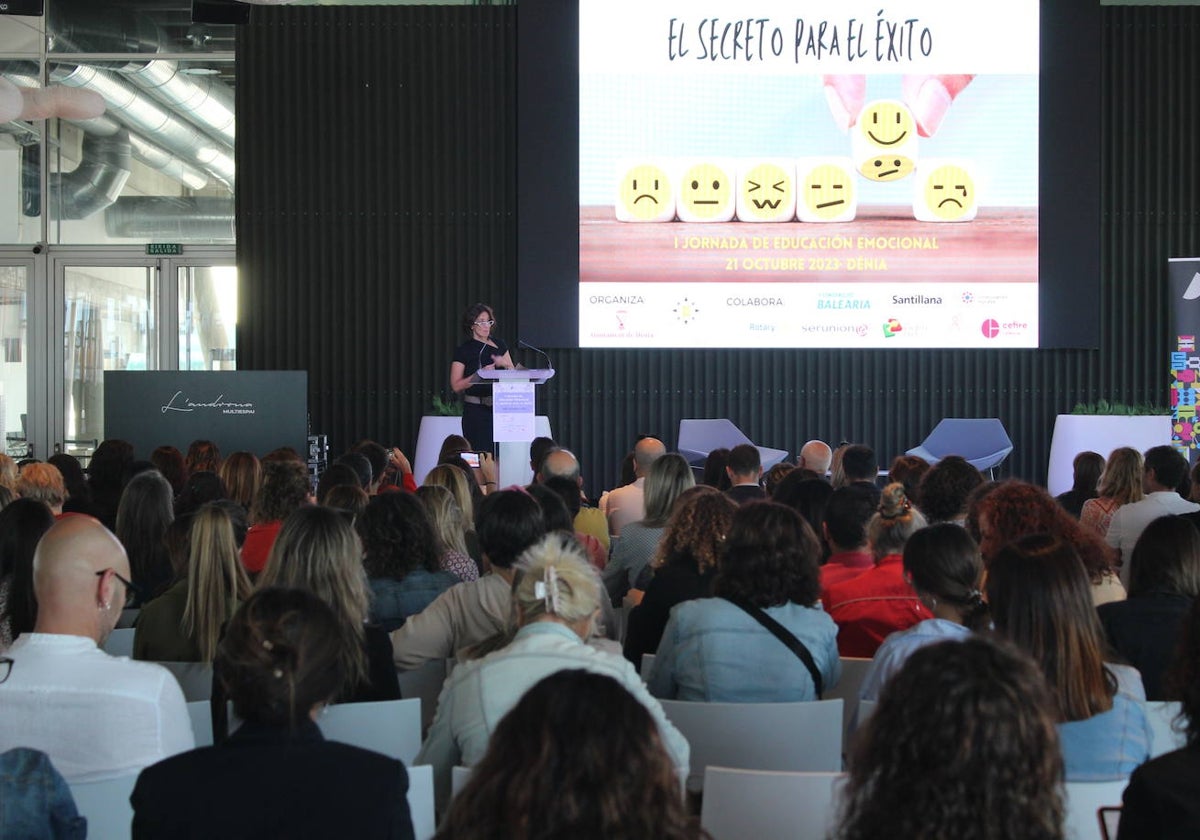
pixel 1164 469
pixel 628 504
pixel 96 716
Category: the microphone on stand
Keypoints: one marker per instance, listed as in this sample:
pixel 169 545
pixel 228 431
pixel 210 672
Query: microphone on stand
pixel 526 345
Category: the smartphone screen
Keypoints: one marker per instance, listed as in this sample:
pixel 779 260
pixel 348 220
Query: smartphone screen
pixel 471 459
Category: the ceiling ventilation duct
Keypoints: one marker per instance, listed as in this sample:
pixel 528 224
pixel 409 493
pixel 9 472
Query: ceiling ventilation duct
pixel 162 218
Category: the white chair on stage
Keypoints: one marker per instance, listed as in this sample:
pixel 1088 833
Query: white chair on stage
pixel 1083 801
pixel 106 806
pixel 854 670
pixel 420 801
pixel 195 678
pixel 699 437
pixel 120 642
pixel 391 727
pixel 200 711
pixel 425 684
pixel 1164 737
pixel 759 736
pixel 982 441
pixel 769 805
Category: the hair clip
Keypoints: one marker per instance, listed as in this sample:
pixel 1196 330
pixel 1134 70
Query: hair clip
pixel 547 590
pixel 266 643
pixel 277 673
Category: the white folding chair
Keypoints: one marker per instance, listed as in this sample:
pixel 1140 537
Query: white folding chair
pixel 391 727
pixel 420 801
pixel 106 806
pixel 120 642
pixel 195 678
pixel 647 666
pixel 1083 803
pixel 200 711
pixel 424 683
pixel 854 670
pixel 759 736
pixel 1164 736
pixel 459 776
pixel 769 805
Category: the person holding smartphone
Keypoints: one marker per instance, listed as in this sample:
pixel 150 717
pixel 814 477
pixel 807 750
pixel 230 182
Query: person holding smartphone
pixel 480 352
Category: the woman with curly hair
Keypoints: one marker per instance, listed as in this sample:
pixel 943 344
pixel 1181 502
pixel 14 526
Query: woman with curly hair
pixel 1163 797
pixel 879 602
pixel 962 745
pixel 721 650
pixel 683 567
pixel 945 488
pixel 577 757
pixel 1016 509
pixel 1120 484
pixel 203 456
pixel 1039 598
pixel 401 558
pixel 284 490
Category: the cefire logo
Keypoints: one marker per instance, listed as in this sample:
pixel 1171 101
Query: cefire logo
pixel 990 328
pixel 891 328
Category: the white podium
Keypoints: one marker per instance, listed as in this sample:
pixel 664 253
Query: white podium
pixel 513 418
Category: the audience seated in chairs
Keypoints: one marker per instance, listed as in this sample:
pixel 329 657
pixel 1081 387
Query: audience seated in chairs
pixel 844 527
pixel 400 558
pixel 962 745
pixel 945 489
pixel 284 657
pixel 241 474
pixel 745 474
pixel 43 483
pixel 146 511
pixel 1039 597
pixel 723 649
pixel 95 715
pixel 878 602
pixel 1163 797
pixel 1164 580
pixel 683 568
pixel 1086 469
pixel 509 522
pixel 557 602
pixel 22 524
pixel 909 470
pixel 450 529
pixel 184 623
pixel 1120 484
pixel 283 491
pixel 942 565
pixel 578 756
pixel 318 550
pixel 626 504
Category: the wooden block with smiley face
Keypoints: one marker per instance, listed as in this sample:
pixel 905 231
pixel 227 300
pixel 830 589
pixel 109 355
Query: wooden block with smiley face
pixel 945 191
pixel 705 191
pixel 766 190
pixel 883 142
pixel 826 189
pixel 645 191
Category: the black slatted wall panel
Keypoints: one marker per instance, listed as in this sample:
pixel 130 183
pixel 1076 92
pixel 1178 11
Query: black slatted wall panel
pixel 376 198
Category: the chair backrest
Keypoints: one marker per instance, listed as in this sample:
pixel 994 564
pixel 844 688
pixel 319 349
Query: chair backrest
pixel 699 437
pixel 200 711
pixel 854 670
pixel 759 736
pixel 459 776
pixel 769 805
pixel 420 801
pixel 647 666
pixel 106 806
pixel 1164 737
pixel 391 727
pixel 120 642
pixel 1083 802
pixel 982 441
pixel 425 684
pixel 128 617
pixel 195 678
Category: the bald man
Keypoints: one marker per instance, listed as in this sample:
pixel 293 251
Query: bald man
pixel 562 463
pixel 816 456
pixel 628 504
pixel 96 716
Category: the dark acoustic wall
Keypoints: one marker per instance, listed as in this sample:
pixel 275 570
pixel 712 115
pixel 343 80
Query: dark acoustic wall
pixel 376 198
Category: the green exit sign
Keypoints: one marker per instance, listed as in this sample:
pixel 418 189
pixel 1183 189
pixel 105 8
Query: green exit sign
pixel 164 249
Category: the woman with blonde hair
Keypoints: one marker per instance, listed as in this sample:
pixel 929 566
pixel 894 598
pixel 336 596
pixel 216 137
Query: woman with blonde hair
pixel 450 531
pixel 184 623
pixel 1120 484
pixel 557 599
pixel 455 480
pixel 241 472
pixel 318 550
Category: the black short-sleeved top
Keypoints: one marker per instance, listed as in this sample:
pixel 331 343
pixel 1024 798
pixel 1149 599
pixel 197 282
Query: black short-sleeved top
pixel 474 355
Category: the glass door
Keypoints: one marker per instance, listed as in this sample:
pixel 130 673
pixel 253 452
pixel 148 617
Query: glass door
pixel 16 346
pixel 207 312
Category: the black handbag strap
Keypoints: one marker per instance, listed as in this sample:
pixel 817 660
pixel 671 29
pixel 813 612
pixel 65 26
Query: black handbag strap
pixel 787 637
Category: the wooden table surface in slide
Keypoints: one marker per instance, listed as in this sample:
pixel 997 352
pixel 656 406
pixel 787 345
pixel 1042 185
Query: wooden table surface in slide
pixel 883 244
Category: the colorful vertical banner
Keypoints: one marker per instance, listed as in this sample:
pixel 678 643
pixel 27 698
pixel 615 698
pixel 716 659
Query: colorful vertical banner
pixel 1183 275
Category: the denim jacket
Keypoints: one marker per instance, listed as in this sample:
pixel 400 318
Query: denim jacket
pixel 393 601
pixel 35 801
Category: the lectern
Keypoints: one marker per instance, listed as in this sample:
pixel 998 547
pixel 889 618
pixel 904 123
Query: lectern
pixel 512 417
